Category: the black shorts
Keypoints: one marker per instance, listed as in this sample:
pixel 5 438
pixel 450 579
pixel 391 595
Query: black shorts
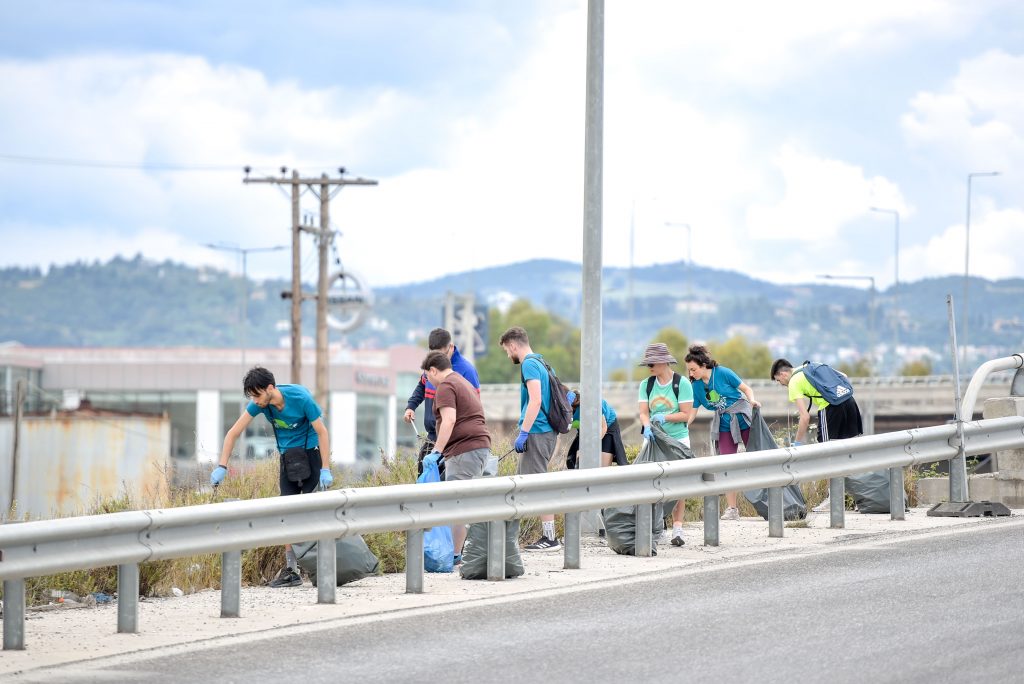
pixel 611 443
pixel 309 484
pixel 840 421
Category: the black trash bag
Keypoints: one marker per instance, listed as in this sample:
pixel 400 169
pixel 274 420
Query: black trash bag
pixel 620 523
pixel 870 491
pixel 474 552
pixel 794 506
pixel 354 560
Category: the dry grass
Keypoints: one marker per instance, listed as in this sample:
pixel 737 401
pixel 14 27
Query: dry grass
pixel 259 480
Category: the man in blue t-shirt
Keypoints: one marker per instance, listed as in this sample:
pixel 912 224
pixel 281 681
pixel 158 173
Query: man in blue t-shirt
pixel 300 432
pixel 536 441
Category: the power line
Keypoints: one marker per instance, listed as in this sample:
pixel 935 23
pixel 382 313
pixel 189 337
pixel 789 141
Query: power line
pixel 132 166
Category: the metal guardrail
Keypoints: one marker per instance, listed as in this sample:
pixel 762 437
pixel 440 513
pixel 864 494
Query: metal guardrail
pixel 126 539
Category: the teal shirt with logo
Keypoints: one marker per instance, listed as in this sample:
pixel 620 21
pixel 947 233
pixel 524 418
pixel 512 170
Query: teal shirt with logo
pixel 663 400
pixel 293 423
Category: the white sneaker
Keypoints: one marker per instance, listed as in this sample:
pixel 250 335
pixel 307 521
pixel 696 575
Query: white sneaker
pixel 731 514
pixel 824 507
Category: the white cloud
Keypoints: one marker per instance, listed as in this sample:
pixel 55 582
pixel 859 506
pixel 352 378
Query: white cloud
pixel 977 119
pixel 758 45
pixel 474 179
pixel 820 197
pixel 996 236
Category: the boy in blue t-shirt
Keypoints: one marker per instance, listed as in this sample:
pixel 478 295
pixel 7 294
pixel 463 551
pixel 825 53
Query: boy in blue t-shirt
pixel 612 449
pixel 298 427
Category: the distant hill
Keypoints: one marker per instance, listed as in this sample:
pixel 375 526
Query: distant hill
pixel 136 302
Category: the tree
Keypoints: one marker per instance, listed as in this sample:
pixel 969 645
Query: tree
pixel 918 367
pixel 555 338
pixel 677 345
pixel 861 368
pixel 746 359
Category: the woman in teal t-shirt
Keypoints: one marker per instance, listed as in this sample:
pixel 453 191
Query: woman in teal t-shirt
pixel 659 403
pixel 719 389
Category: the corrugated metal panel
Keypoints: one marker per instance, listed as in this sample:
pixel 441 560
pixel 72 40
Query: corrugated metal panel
pixel 67 464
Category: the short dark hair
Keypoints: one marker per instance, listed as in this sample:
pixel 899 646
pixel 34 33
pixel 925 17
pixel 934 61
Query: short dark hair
pixel 514 334
pixel 437 360
pixel 780 365
pixel 256 380
pixel 700 355
pixel 439 339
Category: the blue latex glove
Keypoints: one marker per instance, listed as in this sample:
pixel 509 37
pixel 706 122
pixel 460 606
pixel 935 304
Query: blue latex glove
pixel 795 443
pixel 218 475
pixel 658 418
pixel 326 479
pixel 521 441
pixel 432 457
pixel 648 433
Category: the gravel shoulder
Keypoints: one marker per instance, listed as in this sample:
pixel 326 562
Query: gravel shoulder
pixel 58 637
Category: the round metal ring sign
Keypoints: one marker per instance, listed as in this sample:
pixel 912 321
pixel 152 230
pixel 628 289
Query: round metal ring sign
pixel 348 300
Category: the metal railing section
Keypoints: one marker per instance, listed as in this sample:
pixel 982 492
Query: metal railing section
pixel 128 538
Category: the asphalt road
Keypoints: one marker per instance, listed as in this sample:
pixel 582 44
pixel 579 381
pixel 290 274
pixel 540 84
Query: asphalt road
pixel 946 608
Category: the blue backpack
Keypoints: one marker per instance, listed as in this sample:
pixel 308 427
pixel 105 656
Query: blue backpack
pixel 832 386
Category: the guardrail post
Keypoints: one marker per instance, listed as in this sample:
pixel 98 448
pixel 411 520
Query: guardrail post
pixel 711 520
pixel 775 516
pixel 643 546
pixel 414 561
pixel 496 550
pixel 327 570
pixel 128 598
pixel 572 541
pixel 896 500
pixel 14 615
pixel 837 502
pixel 230 584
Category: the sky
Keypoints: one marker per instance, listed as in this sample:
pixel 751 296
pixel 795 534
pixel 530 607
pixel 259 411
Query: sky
pixel 769 129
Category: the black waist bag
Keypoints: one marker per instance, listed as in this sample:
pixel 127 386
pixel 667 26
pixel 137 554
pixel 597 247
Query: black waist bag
pixel 296 464
pixel 294 460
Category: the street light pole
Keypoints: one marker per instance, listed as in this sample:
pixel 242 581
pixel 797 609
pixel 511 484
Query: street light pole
pixel 896 283
pixel 967 256
pixel 689 276
pixel 870 427
pixel 244 251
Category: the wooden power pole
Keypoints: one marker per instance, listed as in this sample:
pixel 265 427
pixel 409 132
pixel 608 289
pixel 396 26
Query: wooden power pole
pixel 322 187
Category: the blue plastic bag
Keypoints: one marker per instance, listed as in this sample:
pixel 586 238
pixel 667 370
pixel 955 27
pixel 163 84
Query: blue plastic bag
pixel 438 547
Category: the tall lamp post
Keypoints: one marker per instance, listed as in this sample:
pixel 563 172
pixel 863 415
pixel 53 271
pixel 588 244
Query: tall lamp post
pixel 244 251
pixel 870 427
pixel 896 283
pixel 967 256
pixel 689 275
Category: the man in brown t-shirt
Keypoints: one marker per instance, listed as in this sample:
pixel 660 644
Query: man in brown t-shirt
pixel 462 435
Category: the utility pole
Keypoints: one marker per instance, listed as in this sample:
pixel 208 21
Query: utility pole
pixel 322 188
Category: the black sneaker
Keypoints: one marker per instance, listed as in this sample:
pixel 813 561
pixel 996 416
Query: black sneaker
pixel 544 544
pixel 677 540
pixel 601 533
pixel 286 578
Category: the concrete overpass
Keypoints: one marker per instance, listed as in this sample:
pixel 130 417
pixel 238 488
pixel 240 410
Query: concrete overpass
pixel 900 403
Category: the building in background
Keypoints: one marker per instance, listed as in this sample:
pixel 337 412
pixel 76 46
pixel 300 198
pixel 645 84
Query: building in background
pixel 200 391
